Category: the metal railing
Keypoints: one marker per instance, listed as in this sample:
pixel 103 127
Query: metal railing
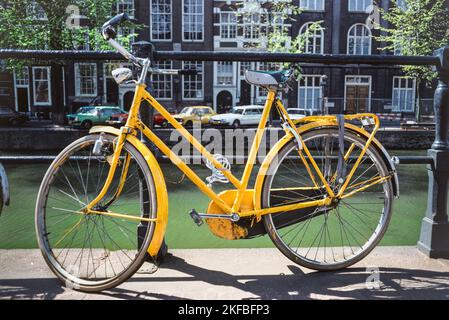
pixel 434 239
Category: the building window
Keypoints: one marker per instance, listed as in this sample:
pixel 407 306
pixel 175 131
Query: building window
pixel 161 20
pixel 359 40
pixel 310 93
pixel 192 86
pixel 35 10
pixel 244 66
pixel 312 5
pixel 41 86
pixel 127 33
pixel 402 4
pixel 314 39
pixel 261 93
pixel 404 89
pixel 86 79
pixel 162 84
pixel 225 73
pixel 193 20
pixel 21 77
pixel 359 5
pixel 4 91
pixel 251 26
pixel 126 6
pixel 228 25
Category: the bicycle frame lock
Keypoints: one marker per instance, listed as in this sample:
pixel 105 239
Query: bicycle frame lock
pixel 434 239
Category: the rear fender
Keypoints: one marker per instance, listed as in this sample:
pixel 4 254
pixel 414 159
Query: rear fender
pixel 159 182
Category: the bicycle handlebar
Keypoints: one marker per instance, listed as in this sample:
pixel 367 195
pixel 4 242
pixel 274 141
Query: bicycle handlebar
pixel 109 34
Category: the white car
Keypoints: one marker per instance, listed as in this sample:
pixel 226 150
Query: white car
pixel 296 114
pixel 239 116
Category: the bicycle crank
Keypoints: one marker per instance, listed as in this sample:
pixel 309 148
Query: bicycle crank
pixel 198 217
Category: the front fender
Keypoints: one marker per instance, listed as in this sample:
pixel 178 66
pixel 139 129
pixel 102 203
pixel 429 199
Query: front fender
pixel 263 171
pixel 4 184
pixel 159 181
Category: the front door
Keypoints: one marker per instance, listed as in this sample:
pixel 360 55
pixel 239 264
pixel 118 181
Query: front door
pixel 245 93
pixel 22 99
pixel 357 94
pixel 224 101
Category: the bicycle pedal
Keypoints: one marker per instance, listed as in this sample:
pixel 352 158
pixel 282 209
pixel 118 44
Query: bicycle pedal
pixel 196 218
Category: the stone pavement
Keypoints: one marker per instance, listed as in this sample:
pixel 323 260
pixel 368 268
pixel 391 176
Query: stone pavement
pixel 387 273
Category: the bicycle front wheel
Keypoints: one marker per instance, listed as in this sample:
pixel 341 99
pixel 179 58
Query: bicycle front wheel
pixel 339 235
pixel 94 252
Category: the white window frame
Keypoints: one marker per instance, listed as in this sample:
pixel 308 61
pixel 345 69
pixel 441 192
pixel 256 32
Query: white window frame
pixel 49 102
pixel 131 12
pixel 200 74
pixel 313 88
pixel 318 35
pixel 36 11
pixel 155 78
pixel 312 5
pixel 224 74
pixel 22 85
pixel 252 25
pixel 228 25
pixel 78 80
pixel 359 39
pixel 171 22
pixel 396 108
pixel 195 15
pixel 354 5
pixel 401 4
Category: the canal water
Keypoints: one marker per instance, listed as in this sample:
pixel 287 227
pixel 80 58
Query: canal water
pixel 17 220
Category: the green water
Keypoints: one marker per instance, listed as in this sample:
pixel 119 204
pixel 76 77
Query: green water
pixel 17 221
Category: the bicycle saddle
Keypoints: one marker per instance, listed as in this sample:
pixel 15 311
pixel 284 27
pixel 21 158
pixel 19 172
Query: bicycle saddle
pixel 269 79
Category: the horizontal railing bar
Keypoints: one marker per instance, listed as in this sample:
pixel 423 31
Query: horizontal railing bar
pixel 412 160
pixel 293 57
pixel 45 159
pixel 326 59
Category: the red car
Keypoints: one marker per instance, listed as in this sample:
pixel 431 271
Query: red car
pixel 118 120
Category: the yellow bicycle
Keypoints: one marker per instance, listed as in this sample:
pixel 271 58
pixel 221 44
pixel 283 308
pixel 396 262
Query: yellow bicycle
pixel 323 194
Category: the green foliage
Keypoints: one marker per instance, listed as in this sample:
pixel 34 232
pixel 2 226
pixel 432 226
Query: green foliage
pixel 276 35
pixel 418 28
pixel 49 24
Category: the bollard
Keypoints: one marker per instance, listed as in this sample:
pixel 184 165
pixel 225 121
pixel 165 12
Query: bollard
pixel 434 239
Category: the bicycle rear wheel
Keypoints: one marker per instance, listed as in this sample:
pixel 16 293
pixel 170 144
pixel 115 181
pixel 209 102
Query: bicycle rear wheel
pixel 94 252
pixel 337 236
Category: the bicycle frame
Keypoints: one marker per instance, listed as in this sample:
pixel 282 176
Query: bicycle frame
pixel 134 124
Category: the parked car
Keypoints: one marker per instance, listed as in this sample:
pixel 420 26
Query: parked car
pixel 118 120
pixel 10 117
pixel 190 115
pixel 296 114
pixel 88 116
pixel 239 116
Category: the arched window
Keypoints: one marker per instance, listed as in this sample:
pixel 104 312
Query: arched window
pixel 314 39
pixel 359 39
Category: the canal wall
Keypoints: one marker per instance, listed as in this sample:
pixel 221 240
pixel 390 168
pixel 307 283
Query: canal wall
pixel 55 139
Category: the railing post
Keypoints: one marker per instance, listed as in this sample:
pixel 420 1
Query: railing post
pixel 145 49
pixel 434 240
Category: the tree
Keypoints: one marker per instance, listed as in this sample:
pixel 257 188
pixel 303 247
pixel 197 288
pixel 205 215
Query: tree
pixel 54 25
pixel 275 35
pixel 416 27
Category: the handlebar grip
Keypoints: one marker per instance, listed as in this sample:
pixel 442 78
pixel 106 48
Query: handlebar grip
pixel 108 30
pixel 115 21
pixel 188 72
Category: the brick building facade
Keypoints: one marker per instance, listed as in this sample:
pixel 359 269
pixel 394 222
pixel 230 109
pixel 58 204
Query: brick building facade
pixel 221 25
